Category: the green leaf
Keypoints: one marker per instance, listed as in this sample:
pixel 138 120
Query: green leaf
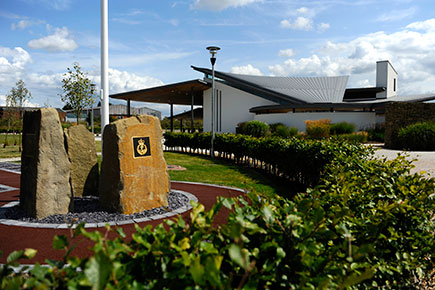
pixel 14 256
pixel 355 279
pixel 268 214
pixel 228 202
pixel 30 253
pixel 280 252
pixel 237 256
pixel 98 270
pixel 60 242
pixel 197 271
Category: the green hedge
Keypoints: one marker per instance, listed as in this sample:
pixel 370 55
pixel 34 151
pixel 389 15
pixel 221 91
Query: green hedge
pixel 342 128
pixel 296 159
pixel 418 136
pixel 366 225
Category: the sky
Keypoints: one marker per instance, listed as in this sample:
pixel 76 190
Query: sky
pixel 152 43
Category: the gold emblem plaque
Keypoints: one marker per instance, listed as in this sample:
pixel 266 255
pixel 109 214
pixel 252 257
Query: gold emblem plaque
pixel 141 147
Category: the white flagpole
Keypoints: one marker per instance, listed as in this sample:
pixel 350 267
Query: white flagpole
pixel 104 65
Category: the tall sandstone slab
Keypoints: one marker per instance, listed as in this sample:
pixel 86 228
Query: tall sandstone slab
pixel 80 144
pixel 45 169
pixel 133 172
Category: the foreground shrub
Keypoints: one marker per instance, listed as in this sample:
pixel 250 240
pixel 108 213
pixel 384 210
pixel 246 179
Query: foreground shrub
pixel 367 225
pixel 318 129
pixel 342 128
pixel 255 128
pixel 386 216
pixel 418 136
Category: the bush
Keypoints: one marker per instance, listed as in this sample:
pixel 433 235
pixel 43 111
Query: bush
pixel 318 129
pixel 342 128
pixel 366 225
pixel 240 128
pixel 359 137
pixel 376 133
pixel 298 160
pixel 418 136
pixel 255 128
pixel 281 130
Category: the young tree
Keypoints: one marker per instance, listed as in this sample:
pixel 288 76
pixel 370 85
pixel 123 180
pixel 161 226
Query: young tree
pixel 15 101
pixel 78 90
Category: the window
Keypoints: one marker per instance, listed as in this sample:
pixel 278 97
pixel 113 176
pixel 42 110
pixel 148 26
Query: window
pixel 394 85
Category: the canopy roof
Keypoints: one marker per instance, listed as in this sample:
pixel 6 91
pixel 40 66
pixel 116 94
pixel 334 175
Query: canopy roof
pixel 178 93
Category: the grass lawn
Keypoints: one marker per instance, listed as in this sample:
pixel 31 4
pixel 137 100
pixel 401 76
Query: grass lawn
pixel 216 171
pixel 12 150
pixel 204 169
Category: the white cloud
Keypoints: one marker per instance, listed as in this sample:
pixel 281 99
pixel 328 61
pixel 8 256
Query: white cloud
pixel 396 15
pixel 302 10
pixel 323 27
pixel 219 5
pixel 410 50
pixel 12 64
pixel 246 70
pixel 427 25
pixel 2 100
pixel 122 81
pixel 59 41
pixel 300 23
pixel 286 52
pixel 22 24
pixel 57 4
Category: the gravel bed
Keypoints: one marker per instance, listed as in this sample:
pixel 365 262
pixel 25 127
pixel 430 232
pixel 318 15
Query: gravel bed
pixel 88 210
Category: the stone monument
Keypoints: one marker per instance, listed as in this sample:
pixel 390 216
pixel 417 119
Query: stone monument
pixel 45 169
pixel 80 145
pixel 133 172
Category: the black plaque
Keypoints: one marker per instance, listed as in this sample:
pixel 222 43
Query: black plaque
pixel 141 147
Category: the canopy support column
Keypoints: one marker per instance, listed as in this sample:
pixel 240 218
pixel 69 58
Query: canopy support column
pixel 128 108
pixel 172 117
pixel 192 128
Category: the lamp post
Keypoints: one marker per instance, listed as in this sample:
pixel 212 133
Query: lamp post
pixel 213 50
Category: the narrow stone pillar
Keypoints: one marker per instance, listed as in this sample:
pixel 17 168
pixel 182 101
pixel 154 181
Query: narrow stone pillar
pixel 45 169
pixel 133 172
pixel 80 144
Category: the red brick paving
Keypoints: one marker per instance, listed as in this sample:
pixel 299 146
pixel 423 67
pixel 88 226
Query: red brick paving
pixel 16 238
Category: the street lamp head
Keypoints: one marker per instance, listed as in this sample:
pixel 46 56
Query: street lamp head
pixel 213 50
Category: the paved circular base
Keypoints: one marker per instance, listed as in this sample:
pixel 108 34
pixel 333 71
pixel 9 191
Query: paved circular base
pixel 11 222
pixel 15 237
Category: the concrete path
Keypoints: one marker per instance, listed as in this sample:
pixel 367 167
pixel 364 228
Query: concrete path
pixel 425 160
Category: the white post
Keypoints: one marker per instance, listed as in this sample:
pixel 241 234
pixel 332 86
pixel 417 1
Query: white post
pixel 104 65
pixel 212 111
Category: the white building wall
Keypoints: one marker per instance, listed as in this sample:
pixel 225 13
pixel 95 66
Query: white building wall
pixel 360 119
pixel 232 107
pixel 386 76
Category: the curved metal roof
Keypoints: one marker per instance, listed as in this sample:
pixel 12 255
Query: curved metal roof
pixel 288 89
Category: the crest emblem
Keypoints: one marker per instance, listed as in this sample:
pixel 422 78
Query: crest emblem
pixel 141 147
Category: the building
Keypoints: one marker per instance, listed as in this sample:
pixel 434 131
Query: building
pixel 119 111
pixel 288 100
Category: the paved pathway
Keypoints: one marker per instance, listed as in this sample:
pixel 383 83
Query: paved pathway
pixel 424 160
pixel 15 237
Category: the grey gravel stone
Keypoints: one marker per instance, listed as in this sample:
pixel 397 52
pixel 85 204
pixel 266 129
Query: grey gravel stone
pixel 87 209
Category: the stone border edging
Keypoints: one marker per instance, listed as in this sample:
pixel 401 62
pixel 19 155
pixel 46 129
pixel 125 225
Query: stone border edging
pixel 175 212
pixel 213 185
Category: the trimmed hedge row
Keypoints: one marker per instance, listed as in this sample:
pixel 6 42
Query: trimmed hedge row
pixel 296 159
pixel 418 136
